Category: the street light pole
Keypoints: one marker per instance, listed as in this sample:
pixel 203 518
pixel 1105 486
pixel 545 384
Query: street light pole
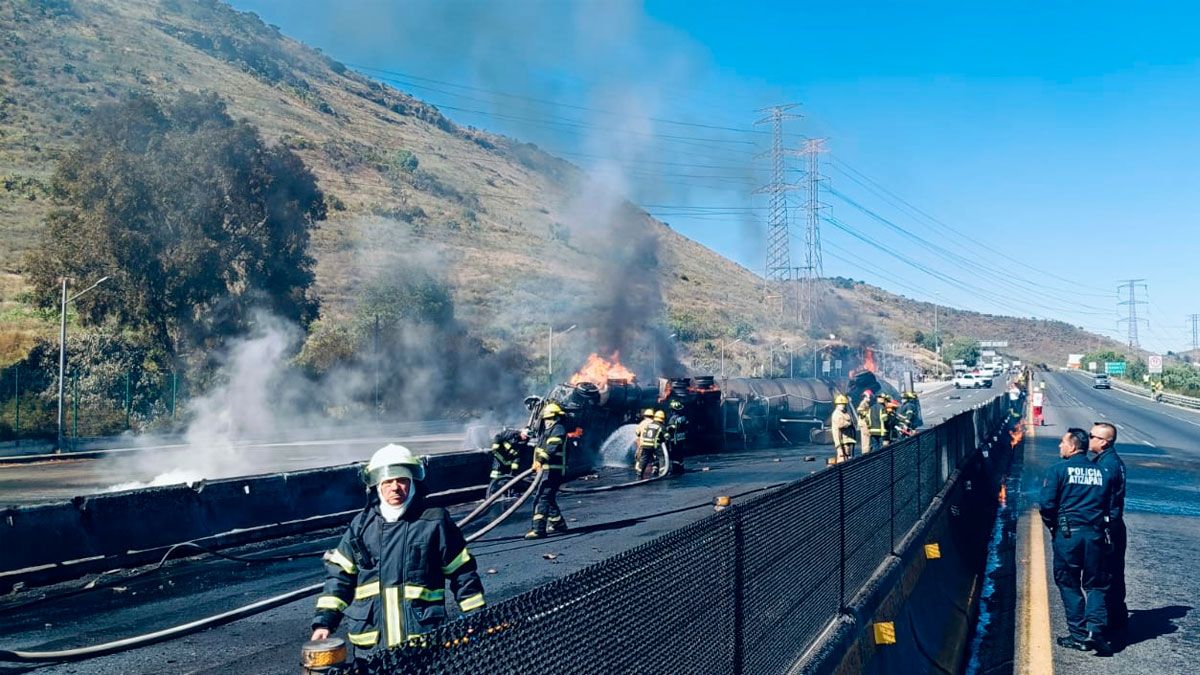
pixel 550 352
pixel 654 355
pixel 62 354
pixel 62 364
pixel 723 346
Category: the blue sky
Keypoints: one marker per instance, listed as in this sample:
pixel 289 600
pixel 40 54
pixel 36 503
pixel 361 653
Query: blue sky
pixel 1040 151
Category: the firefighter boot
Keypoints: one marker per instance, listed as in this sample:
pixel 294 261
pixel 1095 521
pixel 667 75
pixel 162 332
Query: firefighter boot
pixel 558 525
pixel 539 528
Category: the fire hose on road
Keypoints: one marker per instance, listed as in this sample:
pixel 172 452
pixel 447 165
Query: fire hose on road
pixel 253 608
pixel 663 472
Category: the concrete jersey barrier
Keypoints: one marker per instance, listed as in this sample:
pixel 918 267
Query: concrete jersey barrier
pixel 113 527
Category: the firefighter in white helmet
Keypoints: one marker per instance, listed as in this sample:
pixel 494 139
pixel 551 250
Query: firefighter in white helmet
pixel 387 576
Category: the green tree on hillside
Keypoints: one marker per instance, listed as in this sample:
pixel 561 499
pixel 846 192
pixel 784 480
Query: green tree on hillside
pixel 195 219
pixel 961 348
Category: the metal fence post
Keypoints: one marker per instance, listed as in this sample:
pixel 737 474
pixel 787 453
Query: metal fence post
pixel 739 558
pixel 841 537
pixel 892 499
pixel 17 396
pixel 75 407
pixel 128 399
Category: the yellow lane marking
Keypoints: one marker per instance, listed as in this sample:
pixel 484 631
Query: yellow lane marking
pixel 1037 658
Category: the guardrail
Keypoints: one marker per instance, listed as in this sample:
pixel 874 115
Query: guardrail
pixel 745 590
pixel 1167 397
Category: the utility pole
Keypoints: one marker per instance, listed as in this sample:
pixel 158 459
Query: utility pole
pixel 813 267
pixel 937 347
pixel 1133 320
pixel 778 271
pixel 1195 319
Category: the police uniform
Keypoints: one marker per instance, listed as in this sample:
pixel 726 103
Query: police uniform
pixel 1075 503
pixel 1118 612
pixel 387 580
pixel 506 448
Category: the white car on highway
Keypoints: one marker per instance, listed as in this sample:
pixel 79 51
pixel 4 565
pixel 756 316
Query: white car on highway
pixel 969 381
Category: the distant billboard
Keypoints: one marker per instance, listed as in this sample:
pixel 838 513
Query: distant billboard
pixel 1114 367
pixel 994 344
pixel 1073 360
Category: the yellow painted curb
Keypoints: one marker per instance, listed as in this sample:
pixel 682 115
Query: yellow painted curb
pixel 1037 659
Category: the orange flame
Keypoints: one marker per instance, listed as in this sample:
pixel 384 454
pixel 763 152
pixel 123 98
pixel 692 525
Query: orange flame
pixel 1017 435
pixel 1003 494
pixel 869 359
pixel 599 370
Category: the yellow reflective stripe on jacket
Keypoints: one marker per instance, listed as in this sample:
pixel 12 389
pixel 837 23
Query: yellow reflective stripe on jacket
pixel 367 639
pixel 331 602
pixel 459 560
pixel 337 558
pixel 414 592
pixel 365 591
pixel 393 620
pixel 542 456
pixel 554 440
pixel 472 603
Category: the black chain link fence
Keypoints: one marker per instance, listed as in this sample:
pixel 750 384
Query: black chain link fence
pixel 745 590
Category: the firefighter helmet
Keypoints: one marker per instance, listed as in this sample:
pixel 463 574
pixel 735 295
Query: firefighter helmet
pixel 660 416
pixel 648 412
pixel 676 405
pixel 909 396
pixel 840 399
pixel 551 410
pixel 868 393
pixel 393 461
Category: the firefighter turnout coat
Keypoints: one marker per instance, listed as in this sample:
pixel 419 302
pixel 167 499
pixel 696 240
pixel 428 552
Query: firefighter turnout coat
pixel 388 579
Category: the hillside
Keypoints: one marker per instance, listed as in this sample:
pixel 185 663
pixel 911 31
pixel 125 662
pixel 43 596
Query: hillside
pixel 522 238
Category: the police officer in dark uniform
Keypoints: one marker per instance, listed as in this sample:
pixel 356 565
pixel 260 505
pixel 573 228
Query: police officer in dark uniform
pixel 1102 449
pixel 506 451
pixel 1076 501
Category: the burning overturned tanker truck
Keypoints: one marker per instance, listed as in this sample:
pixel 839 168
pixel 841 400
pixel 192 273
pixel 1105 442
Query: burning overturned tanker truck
pixel 731 414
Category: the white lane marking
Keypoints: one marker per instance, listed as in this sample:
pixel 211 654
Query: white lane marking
pixel 1101 414
pixel 1116 425
pixel 1148 443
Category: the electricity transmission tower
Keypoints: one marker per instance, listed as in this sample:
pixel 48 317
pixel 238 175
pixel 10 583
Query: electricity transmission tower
pixel 1195 319
pixel 810 292
pixel 779 258
pixel 1133 320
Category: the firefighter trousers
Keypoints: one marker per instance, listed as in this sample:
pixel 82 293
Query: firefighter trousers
pixel 545 500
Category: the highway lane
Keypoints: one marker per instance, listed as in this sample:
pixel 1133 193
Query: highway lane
pixel 1161 448
pixel 57 480
pixel 604 524
pixel 61 479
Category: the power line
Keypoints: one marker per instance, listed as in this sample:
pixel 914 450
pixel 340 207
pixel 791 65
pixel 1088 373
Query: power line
pixel 884 193
pixel 397 74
